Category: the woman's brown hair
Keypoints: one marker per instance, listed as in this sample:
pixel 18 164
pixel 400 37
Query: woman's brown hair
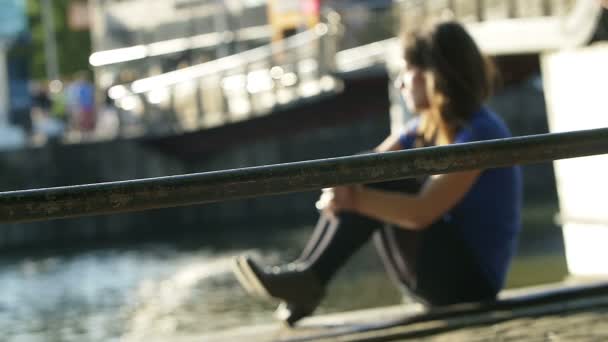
pixel 461 74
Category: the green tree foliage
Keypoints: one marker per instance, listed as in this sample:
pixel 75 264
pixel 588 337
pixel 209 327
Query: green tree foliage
pixel 73 47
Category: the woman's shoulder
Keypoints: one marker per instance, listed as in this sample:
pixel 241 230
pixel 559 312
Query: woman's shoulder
pixel 485 124
pixel 493 122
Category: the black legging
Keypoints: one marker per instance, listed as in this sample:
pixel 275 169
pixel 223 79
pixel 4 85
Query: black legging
pixel 434 264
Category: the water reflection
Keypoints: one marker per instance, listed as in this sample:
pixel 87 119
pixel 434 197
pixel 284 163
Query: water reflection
pixel 167 290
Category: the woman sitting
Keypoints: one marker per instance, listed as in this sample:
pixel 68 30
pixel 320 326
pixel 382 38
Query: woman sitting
pixel 445 238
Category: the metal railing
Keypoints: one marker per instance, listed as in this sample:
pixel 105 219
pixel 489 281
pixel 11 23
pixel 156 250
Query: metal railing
pixel 176 45
pixel 235 87
pixel 259 81
pixel 142 194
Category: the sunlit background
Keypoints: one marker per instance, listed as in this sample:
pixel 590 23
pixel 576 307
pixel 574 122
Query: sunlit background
pixel 107 90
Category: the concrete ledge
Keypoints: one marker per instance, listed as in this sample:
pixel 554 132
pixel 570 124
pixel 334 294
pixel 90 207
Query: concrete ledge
pixel 559 304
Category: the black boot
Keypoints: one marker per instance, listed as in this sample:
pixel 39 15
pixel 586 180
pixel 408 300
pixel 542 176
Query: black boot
pixel 298 288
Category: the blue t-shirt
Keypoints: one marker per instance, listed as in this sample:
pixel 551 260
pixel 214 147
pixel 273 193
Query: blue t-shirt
pixel 489 214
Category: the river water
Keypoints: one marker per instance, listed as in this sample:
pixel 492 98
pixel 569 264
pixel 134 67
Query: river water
pixel 185 287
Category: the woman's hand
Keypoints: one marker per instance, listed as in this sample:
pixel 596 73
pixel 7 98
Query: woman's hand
pixel 323 203
pixel 341 198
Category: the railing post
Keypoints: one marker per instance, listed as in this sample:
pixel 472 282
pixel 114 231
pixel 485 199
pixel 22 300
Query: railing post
pixel 452 7
pixel 220 24
pixel 511 9
pixel 480 10
pixel 250 98
pixel 50 41
pixel 225 103
pixel 293 58
pixel 424 11
pixel 330 40
pixel 322 53
pixel 199 103
pixel 546 7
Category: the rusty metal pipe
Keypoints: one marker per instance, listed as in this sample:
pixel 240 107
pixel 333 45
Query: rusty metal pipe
pixel 172 191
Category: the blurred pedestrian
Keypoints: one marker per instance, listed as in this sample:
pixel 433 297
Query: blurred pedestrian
pixel 80 100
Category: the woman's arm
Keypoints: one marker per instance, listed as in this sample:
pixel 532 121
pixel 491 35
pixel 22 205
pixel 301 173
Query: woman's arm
pixel 391 143
pixel 414 212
